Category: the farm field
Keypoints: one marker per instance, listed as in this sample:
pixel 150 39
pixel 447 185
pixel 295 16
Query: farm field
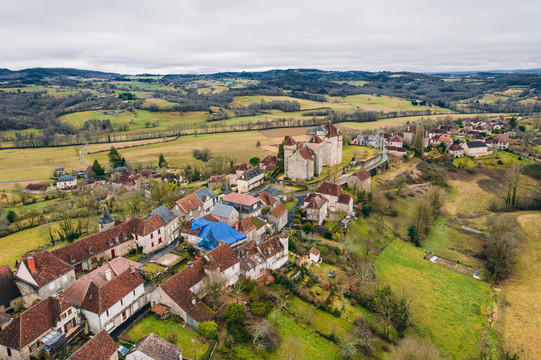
pixel 450 309
pixel 382 103
pixel 136 120
pixel 519 319
pixel 14 246
pixel 55 91
pixel 305 104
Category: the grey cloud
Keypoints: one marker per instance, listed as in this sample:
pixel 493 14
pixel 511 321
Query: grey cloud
pixel 167 36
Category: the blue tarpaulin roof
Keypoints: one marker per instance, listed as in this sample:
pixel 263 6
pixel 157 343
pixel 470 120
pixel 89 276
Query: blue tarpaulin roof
pixel 214 232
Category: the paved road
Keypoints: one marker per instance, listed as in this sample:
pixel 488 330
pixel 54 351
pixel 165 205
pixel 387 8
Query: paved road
pixel 343 178
pixel 82 153
pixel 18 181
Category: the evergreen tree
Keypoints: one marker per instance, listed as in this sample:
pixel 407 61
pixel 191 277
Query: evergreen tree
pixel 115 159
pixel 161 162
pixel 280 156
pixel 255 161
pixel 418 140
pixel 96 167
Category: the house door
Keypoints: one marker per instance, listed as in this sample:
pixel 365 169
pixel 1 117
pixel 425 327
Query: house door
pixel 113 252
pixel 78 268
pixel 124 316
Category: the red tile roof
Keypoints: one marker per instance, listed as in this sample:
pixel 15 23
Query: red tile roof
pixel 93 245
pixel 267 199
pixel 157 348
pixel 456 147
pixel 315 251
pixel 33 323
pixel 245 226
pixel 37 187
pixel 98 299
pixel 329 188
pixel 216 178
pixel 344 198
pixel 306 153
pixel 189 203
pixel 290 141
pixel 100 347
pixel 333 131
pixel 362 175
pixel 279 210
pixel 242 199
pixel 315 139
pixel 396 138
pixel 241 167
pixel 147 226
pixel 315 201
pixel 48 267
pixel 445 139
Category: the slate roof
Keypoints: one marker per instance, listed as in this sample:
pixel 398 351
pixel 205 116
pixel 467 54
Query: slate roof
pixel 157 348
pixel 166 216
pixel 100 347
pixel 48 267
pixel 189 203
pixel 222 210
pixel 251 173
pixel 66 178
pixel 204 194
pixel 8 289
pixel 475 144
pixel 33 323
pixel 329 188
pixel 105 217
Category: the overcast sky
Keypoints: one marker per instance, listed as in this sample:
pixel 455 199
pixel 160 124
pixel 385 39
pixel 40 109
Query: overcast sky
pixel 204 36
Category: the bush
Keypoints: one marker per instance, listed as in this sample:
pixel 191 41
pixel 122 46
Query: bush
pixel 308 228
pixel 239 333
pixel 235 314
pixel 261 308
pixel 208 329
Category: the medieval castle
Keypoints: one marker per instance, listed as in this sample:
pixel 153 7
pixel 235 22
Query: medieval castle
pixel 305 160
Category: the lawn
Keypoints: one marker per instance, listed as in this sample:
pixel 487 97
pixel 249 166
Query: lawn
pixel 519 320
pixel 450 309
pixel 298 342
pixel 187 339
pixel 14 246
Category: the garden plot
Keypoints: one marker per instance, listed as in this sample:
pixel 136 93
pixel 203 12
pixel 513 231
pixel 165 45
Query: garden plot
pixel 458 267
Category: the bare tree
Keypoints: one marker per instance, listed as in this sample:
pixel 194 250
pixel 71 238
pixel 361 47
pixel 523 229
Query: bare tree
pixel 264 335
pixel 512 177
pixel 412 348
pixel 501 248
pixel 364 335
pixel 348 349
pixel 215 288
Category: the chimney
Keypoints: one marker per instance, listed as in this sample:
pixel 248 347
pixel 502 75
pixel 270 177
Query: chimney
pixel 31 264
pixel 128 218
pixel 194 301
pixel 108 276
pixel 132 269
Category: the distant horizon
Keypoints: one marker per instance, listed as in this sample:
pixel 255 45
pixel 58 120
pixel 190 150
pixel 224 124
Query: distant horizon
pixel 464 71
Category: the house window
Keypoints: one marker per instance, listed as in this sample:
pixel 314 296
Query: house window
pixel 69 311
pixel 159 232
pixel 107 312
pixel 9 352
pixel 122 302
pixel 33 347
pixel 136 237
pixel 159 240
pixel 133 292
pixel 152 236
pixel 152 244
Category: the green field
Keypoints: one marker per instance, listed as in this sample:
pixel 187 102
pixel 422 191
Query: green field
pixel 14 246
pixel 305 104
pixel 382 103
pixel 449 309
pixel 187 340
pixel 51 90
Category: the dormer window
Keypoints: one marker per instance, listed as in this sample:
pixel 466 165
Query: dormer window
pixel 116 239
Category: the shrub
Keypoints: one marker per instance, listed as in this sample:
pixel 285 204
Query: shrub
pixel 235 314
pixel 208 329
pixel 308 228
pixel 261 308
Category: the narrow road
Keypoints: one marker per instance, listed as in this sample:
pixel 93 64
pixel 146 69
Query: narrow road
pixel 82 153
pixel 18 181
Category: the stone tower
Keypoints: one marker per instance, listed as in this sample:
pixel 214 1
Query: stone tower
pixel 106 220
pixel 290 145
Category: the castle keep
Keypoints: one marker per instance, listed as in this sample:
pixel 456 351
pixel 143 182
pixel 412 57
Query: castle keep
pixel 322 147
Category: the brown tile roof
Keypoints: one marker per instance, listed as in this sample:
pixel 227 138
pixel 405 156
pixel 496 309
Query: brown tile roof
pixel 269 160
pixel 48 267
pixel 306 153
pixel 159 309
pixel 396 138
pixel 145 227
pixel 445 139
pixel 242 199
pixel 329 188
pixel 189 203
pixel 124 180
pixel 241 167
pixel 267 199
pixel 97 299
pixel 178 287
pixel 315 251
pixel 315 140
pixel 251 254
pixel 315 201
pixel 279 210
pixel 33 323
pixel 271 247
pixel 398 149
pixel 290 141
pixel 100 347
pixel 8 289
pixel 456 147
pixel 344 198
pixel 81 250
pixel 333 130
pixel 37 187
pixel 157 348
pixel 362 175
pixel 245 226
pixel 216 178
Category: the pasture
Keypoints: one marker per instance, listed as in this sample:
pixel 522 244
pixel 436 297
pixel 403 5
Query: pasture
pixel 382 103
pixel 519 319
pixel 449 309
